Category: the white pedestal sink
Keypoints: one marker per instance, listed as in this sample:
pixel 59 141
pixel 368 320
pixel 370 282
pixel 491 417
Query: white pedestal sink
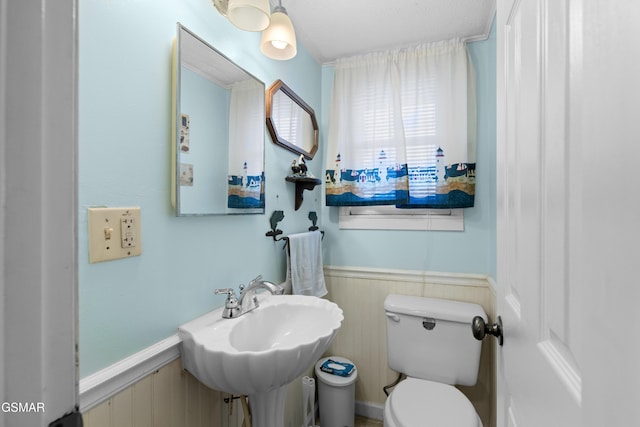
pixel 260 352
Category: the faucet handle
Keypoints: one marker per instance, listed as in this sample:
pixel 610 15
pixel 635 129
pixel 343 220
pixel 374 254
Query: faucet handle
pixel 231 301
pixel 231 308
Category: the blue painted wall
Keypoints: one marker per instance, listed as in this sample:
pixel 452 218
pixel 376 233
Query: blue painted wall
pixel 470 251
pixel 124 160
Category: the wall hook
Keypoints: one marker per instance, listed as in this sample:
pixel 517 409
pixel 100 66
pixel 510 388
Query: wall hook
pixel 314 219
pixel 276 217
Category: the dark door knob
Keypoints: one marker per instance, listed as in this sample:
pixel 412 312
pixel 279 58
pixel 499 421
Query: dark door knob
pixel 480 329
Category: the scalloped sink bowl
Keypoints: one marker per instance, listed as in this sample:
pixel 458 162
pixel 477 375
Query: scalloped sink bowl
pixel 261 351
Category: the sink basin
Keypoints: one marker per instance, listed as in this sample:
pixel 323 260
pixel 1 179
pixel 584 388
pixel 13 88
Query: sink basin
pixel 262 351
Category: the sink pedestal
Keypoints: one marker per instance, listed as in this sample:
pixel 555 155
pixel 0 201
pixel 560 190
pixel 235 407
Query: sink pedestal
pixel 267 409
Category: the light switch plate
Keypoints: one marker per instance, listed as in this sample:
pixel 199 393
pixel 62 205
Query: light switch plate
pixel 114 233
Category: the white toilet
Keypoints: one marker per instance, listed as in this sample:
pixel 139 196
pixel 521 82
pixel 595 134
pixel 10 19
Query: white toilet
pixel 431 342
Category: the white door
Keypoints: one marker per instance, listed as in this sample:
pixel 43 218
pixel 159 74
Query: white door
pixel 568 212
pixel 38 180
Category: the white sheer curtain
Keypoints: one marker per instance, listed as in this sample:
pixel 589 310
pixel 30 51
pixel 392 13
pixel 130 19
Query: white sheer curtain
pixel 244 110
pixel 366 157
pixel 398 129
pixel 246 164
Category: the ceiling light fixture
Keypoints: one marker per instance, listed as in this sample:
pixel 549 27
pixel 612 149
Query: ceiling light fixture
pixel 279 39
pixel 249 15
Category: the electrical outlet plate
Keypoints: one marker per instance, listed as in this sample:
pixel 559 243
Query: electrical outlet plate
pixel 114 233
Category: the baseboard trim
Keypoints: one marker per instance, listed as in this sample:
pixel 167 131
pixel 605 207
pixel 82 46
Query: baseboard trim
pixel 104 384
pixel 371 410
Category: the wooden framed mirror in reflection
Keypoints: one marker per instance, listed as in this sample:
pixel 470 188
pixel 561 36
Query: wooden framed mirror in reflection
pixel 218 132
pixel 291 122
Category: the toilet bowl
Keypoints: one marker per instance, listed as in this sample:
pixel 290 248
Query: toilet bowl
pixel 422 403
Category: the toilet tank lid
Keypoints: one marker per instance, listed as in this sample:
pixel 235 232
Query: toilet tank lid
pixel 437 308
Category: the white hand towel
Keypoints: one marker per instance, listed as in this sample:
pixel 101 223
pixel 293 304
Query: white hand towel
pixel 305 264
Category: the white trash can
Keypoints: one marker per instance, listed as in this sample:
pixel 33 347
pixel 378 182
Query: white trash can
pixel 336 395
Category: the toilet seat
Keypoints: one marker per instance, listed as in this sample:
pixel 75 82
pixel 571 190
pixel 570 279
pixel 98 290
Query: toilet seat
pixel 420 403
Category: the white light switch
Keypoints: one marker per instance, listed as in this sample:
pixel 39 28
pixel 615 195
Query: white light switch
pixel 114 233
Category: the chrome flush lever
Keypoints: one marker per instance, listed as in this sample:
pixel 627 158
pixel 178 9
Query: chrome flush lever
pixel 480 329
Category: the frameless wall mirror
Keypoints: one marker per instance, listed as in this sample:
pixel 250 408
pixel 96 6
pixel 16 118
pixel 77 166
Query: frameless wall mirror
pixel 291 122
pixel 218 132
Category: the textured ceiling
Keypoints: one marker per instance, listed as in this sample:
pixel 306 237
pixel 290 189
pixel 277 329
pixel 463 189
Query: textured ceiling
pixel 330 29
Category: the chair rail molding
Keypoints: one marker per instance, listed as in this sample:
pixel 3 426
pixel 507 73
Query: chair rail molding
pixel 434 277
pixel 102 385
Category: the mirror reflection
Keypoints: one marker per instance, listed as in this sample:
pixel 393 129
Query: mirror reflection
pixel 218 147
pixel 291 122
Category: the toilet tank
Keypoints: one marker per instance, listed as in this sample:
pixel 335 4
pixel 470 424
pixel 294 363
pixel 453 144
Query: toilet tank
pixel 431 338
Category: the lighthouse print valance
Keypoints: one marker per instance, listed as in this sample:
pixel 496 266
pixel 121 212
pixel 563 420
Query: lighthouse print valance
pixel 402 129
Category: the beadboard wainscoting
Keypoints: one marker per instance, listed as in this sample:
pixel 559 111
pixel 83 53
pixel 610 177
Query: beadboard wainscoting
pixel 360 292
pixel 168 397
pixel 172 397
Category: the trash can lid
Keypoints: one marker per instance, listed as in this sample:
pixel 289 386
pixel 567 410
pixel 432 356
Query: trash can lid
pixel 336 380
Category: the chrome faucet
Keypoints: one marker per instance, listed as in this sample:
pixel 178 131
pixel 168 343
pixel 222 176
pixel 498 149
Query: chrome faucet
pixel 248 300
pixel 234 307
